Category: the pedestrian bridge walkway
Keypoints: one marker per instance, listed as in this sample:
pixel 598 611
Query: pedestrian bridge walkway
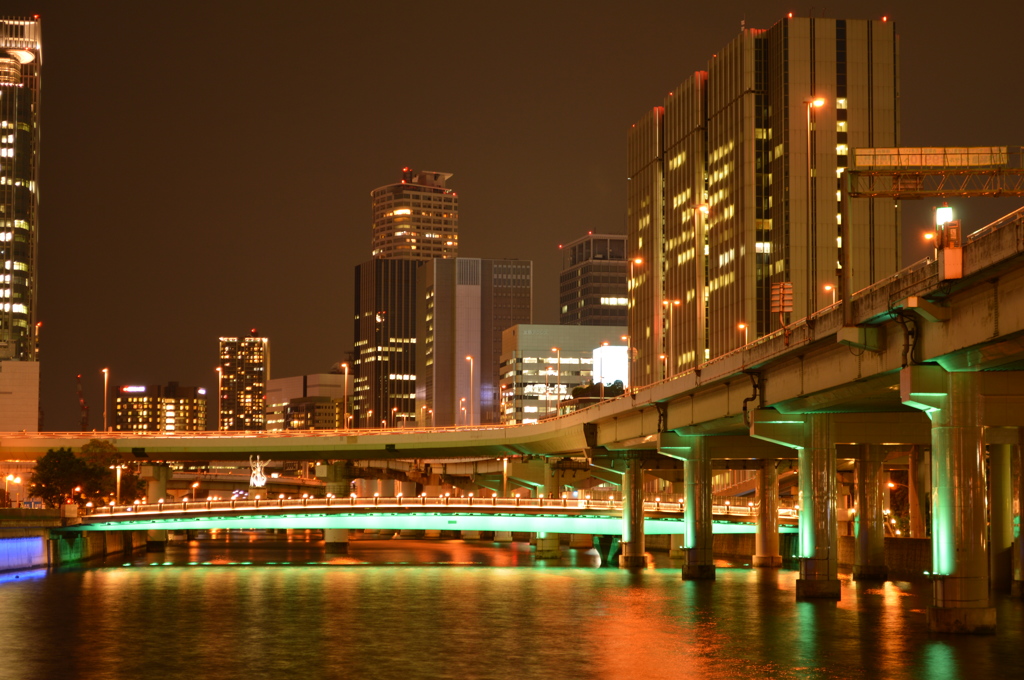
pixel 544 515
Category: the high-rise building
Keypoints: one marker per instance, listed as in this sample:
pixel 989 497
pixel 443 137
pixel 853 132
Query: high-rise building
pixel 154 408
pixel 414 221
pixel 21 60
pixel 467 304
pixel 308 402
pixel 592 287
pixel 734 182
pixel 417 218
pixel 244 372
pixel 541 364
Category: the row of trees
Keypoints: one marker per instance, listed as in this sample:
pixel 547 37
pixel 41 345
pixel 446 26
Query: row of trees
pixel 62 476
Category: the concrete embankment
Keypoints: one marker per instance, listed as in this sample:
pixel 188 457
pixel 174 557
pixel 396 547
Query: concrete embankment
pixel 28 541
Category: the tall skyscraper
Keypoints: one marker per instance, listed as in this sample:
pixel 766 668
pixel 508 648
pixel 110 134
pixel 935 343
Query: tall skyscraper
pixel 21 60
pixel 414 221
pixel 154 408
pixel 467 304
pixel 244 372
pixel 734 186
pixel 592 287
pixel 417 218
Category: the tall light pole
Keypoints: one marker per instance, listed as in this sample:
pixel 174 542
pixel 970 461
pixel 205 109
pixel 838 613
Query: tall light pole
pixel 344 398
pixel 8 480
pixel 117 467
pixel 220 383
pixel 815 103
pixel 668 306
pixel 106 382
pixel 472 389
pixel 369 418
pixel 746 331
pixel 462 409
pixel 829 288
pixel 558 379
pixel 394 416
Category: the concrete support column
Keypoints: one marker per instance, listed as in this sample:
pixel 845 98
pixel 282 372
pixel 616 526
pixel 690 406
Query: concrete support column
pixel 502 536
pixel 633 547
pixel 819 563
pixel 677 542
pixel 156 478
pixel 869 553
pixel 698 544
pixel 1001 519
pixel 337 481
pixel 960 566
pixel 918 489
pixel 547 544
pixel 766 547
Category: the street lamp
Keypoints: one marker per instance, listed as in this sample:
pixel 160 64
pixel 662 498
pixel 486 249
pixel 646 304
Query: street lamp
pixel 369 417
pixel 668 306
pixel 471 387
pixel 8 480
pixel 220 383
pixel 117 467
pixel 195 490
pixel 814 103
pixel 344 398
pixel 462 409
pixel 558 378
pixel 106 382
pixel 394 415
pixel 746 332
pixel 829 288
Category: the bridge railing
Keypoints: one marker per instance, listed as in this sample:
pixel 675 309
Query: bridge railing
pixel 467 502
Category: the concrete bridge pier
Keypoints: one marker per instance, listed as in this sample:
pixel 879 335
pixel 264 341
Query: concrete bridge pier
pixel 869 523
pixel 1001 515
pixel 960 562
pixel 677 542
pixel 156 478
pixel 766 542
pixel 337 478
pixel 633 546
pixel 547 544
pixel 699 562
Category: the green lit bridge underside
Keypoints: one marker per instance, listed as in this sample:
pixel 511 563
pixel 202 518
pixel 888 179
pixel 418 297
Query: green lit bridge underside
pixel 412 519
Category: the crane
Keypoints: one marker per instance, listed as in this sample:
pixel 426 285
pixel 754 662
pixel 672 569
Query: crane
pixel 84 424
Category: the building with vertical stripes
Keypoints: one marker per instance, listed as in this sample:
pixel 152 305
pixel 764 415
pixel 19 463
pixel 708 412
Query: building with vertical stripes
pixel 21 58
pixel 467 304
pixel 592 285
pixel 733 188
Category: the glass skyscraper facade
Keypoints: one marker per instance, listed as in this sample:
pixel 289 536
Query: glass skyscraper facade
pixel 733 189
pixel 244 372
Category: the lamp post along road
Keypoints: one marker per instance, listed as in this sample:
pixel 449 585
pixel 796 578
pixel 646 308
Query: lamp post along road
pixel 471 388
pixel 815 103
pixel 106 382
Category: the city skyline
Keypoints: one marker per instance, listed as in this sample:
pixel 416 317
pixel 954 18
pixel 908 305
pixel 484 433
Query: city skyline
pixel 160 211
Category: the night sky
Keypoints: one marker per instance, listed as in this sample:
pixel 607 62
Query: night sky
pixel 206 166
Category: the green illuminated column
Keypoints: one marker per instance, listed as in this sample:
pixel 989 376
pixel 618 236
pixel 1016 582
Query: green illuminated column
pixel 869 554
pixel 1001 520
pixel 633 548
pixel 156 478
pixel 766 550
pixel 699 562
pixel 819 564
pixel 960 582
pixel 337 478
pixel 677 542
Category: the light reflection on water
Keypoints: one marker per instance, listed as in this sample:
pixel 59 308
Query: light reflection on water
pixel 485 611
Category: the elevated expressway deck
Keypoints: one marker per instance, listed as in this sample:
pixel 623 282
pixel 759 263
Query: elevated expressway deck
pixel 815 365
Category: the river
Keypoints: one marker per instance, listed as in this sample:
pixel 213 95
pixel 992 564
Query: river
pixel 275 606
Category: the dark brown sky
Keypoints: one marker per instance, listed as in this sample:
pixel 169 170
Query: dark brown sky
pixel 207 165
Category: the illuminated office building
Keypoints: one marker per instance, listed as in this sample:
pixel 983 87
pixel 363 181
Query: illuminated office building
pixel 417 218
pixel 541 364
pixel 153 408
pixel 467 305
pixel 308 402
pixel 244 372
pixel 414 221
pixel 592 286
pixel 20 66
pixel 733 189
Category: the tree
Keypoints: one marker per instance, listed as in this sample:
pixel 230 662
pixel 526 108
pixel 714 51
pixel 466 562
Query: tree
pixel 103 454
pixel 58 473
